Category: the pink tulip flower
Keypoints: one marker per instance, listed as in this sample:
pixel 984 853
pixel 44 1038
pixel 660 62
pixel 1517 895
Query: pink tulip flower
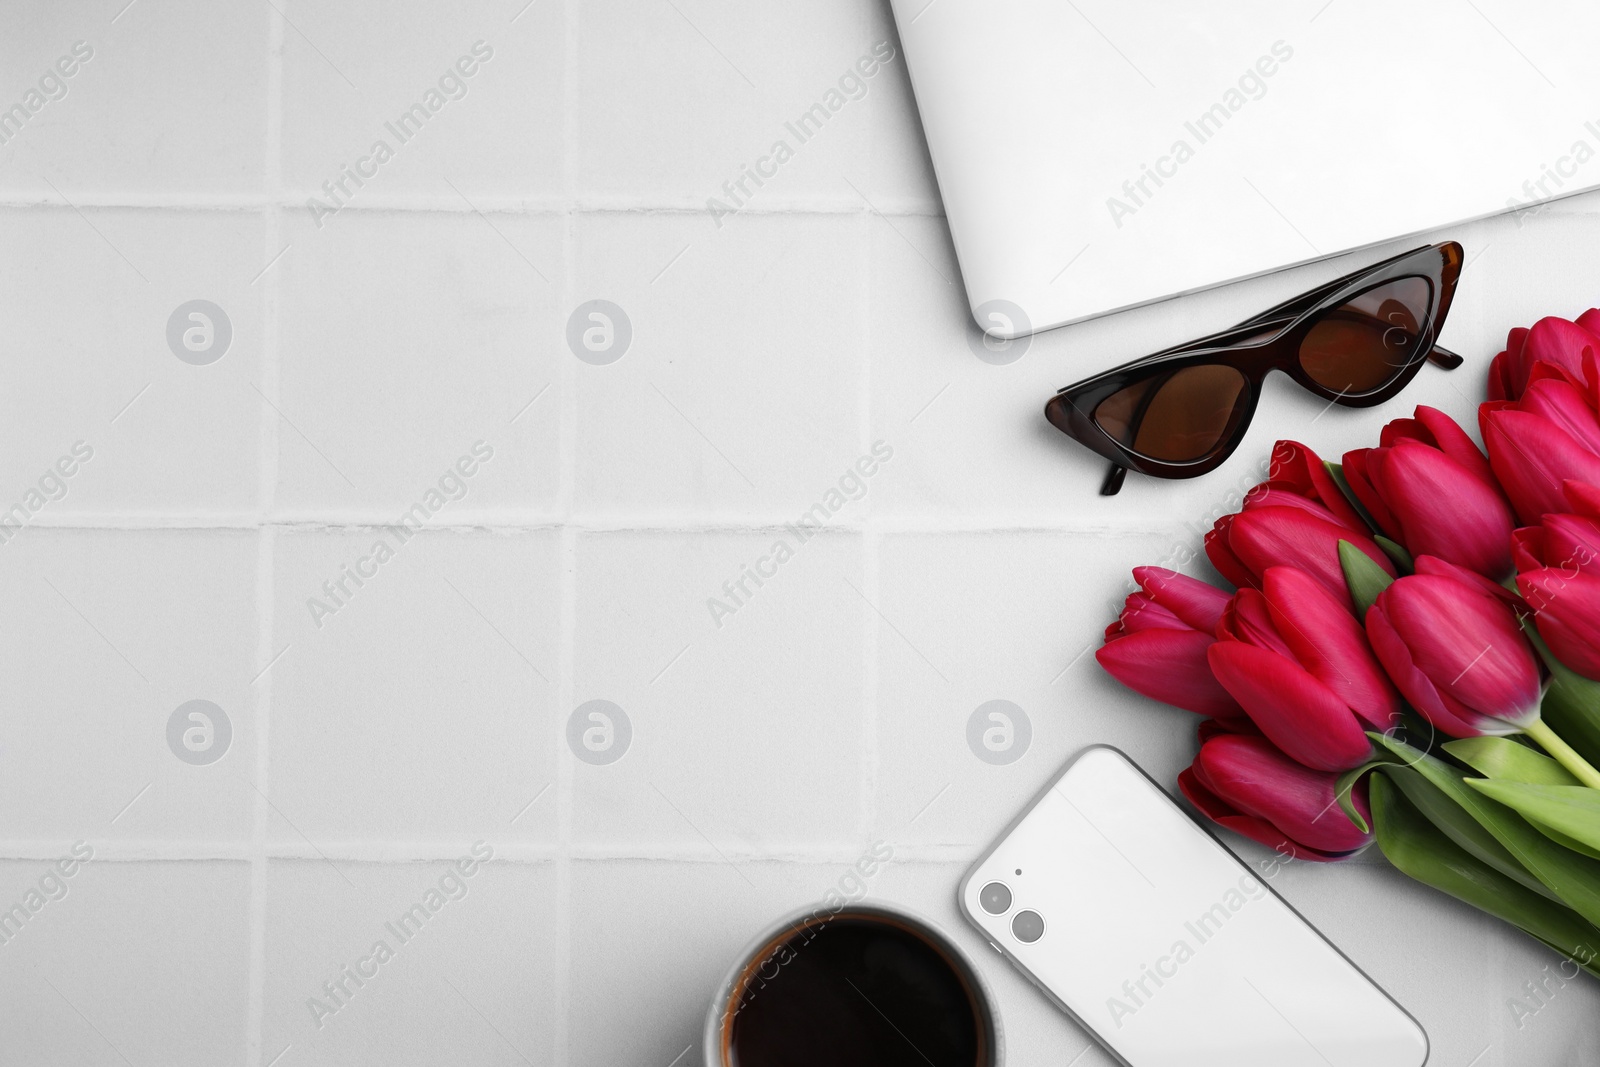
pixel 1278 528
pixel 1550 436
pixel 1158 644
pixel 1298 663
pixel 1430 489
pixel 1569 544
pixel 1457 654
pixel 1553 340
pixel 1566 605
pixel 1245 784
pixel 1297 470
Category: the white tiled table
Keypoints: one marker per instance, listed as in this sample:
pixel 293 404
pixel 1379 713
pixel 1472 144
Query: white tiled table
pixel 430 710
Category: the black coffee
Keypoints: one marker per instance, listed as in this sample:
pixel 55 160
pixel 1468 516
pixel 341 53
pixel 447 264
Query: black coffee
pixel 857 991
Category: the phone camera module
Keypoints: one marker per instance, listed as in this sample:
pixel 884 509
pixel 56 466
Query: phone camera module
pixel 995 898
pixel 1027 926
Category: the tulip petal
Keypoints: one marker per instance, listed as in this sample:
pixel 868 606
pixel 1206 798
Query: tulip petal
pixel 1328 642
pixel 1297 469
pixel 1567 606
pixel 1139 613
pixel 1259 830
pixel 1444 509
pixel 1583 498
pixel 1499 379
pixel 1197 603
pixel 1356 476
pixel 1571 542
pixel 1527 548
pixel 1266 537
pixel 1222 556
pixel 1532 457
pixel 1169 666
pixel 1556 340
pixel 1470 648
pixel 1254 779
pixel 1445 569
pixel 1241 724
pixel 1415 686
pixel 1512 371
pixel 1565 405
pixel 1266 495
pixel 1248 619
pixel 1303 717
pixel 1453 441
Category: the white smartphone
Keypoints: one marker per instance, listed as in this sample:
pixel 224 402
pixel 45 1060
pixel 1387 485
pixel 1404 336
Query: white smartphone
pixel 1140 925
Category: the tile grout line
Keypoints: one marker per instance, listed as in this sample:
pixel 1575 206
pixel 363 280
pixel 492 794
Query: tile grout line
pixel 870 544
pixel 566 635
pixel 266 473
pixel 602 524
pixel 492 204
pixel 413 853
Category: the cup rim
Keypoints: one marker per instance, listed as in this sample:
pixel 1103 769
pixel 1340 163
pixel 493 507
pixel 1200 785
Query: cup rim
pixel 711 1034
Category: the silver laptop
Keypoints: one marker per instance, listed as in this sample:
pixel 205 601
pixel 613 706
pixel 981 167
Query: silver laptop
pixel 1095 155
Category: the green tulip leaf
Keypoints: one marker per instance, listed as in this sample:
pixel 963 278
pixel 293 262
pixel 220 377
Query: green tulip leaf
pixel 1395 551
pixel 1452 820
pixel 1336 472
pixel 1571 876
pixel 1345 786
pixel 1364 577
pixel 1564 840
pixel 1571 809
pixel 1571 705
pixel 1592 965
pixel 1503 758
pixel 1419 849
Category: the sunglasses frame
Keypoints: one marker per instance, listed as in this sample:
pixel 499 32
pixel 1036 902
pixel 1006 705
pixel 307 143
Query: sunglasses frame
pixel 1270 341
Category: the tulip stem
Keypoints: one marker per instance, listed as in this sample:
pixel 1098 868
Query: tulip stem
pixel 1564 754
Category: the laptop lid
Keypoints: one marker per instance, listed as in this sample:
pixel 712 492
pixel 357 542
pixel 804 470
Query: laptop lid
pixel 1095 155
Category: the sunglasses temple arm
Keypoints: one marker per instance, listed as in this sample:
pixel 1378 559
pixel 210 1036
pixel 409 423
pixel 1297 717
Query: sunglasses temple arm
pixel 1443 357
pixel 1114 478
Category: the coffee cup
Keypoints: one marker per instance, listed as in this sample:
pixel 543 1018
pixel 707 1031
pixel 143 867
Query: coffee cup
pixel 853 984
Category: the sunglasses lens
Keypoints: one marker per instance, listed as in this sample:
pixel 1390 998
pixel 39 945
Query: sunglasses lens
pixel 1365 343
pixel 1177 417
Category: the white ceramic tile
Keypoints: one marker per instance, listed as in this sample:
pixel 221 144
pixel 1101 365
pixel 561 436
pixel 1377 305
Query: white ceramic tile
pixel 136 963
pixel 421 708
pixel 110 632
pixel 171 101
pixel 971 436
pixel 724 80
pixel 1544 267
pixel 405 340
pixel 750 406
pixel 1549 1028
pixel 468 978
pixel 991 628
pixel 353 72
pixel 168 436
pixel 657 965
pixel 745 736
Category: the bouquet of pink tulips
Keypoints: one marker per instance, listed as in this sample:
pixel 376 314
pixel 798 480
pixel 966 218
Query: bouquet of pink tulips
pixel 1412 652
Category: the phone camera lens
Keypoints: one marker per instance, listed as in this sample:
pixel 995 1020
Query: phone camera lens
pixel 1028 926
pixel 995 898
